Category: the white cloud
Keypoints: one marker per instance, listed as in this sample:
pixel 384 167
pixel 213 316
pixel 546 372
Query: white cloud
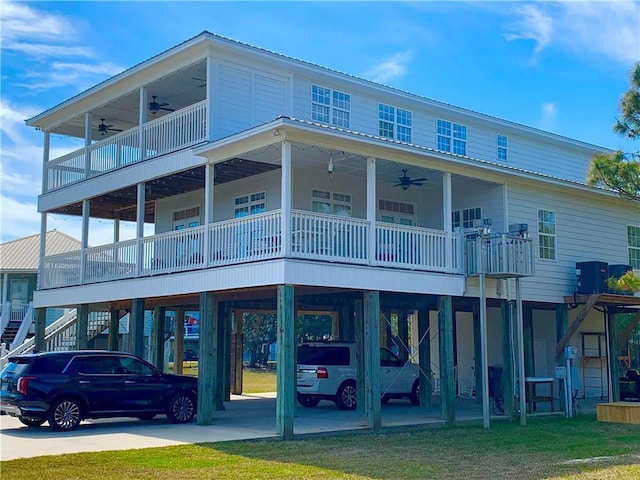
pixel 80 75
pixel 549 112
pixel 42 50
pixel 18 218
pixel 20 21
pixel 390 69
pixel 609 29
pixel 532 24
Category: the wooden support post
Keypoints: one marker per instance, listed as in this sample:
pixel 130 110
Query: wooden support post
pixel 136 327
pixel 82 327
pixel 207 358
pixel 403 334
pixel 236 353
pixel 345 324
pixel 178 342
pixel 358 323
pixel 424 358
pixel 623 338
pixel 226 358
pixel 157 336
pixel 527 319
pixel 286 368
pixel 447 385
pixel 477 354
pixel 614 364
pixel 562 324
pixel 593 299
pixel 221 377
pixel 508 358
pixel 40 320
pixel 372 388
pixel 114 329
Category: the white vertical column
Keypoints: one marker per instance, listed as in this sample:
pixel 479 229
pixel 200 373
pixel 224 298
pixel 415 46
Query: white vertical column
pixel 87 144
pixel 371 207
pixel 209 180
pixel 142 119
pixel 285 200
pixel 116 227
pixel 520 337
pixel 447 222
pixel 84 240
pixel 140 226
pixel 210 92
pixel 45 161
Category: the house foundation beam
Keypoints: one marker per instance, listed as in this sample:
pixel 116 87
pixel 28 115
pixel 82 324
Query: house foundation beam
pixel 562 324
pixel 403 334
pixel 136 327
pixel 508 358
pixel 207 358
pixel 372 388
pixel 527 332
pixel 286 367
pixel 358 334
pixel 447 384
pixel 611 319
pixel 114 329
pixel 236 352
pixel 82 327
pixel 222 364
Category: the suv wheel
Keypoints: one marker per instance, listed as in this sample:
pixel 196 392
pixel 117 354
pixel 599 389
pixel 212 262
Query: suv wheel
pixel 32 421
pixel 308 400
pixel 414 397
pixel 65 415
pixel 346 396
pixel 181 408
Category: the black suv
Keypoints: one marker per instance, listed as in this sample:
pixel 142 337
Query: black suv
pixel 67 387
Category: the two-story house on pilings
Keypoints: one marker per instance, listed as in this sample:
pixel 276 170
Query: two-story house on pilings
pixel 276 185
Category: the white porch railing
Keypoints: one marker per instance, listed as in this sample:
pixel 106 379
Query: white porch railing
pixel 5 316
pixel 257 237
pixel 499 255
pixel 172 132
pixel 25 325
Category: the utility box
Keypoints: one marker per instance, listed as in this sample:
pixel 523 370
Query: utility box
pixel 592 277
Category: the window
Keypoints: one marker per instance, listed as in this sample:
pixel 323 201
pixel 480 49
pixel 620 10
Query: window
pixel 502 147
pixel 452 137
pixel 466 218
pixel 633 239
pixel 330 105
pixel 394 123
pixel 187 218
pixel 331 202
pixel 250 204
pixel 547 234
pixel 397 212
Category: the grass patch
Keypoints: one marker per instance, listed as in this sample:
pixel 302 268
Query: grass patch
pixel 553 449
pixel 254 380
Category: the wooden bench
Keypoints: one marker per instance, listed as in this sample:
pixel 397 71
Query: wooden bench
pixel 619 412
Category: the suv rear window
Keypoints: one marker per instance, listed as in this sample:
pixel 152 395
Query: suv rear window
pixel 18 366
pixel 323 355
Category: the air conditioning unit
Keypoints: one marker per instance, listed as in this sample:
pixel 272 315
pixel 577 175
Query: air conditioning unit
pixel 592 277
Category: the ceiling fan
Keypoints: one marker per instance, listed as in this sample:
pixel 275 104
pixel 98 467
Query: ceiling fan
pixel 405 182
pixel 155 107
pixel 104 128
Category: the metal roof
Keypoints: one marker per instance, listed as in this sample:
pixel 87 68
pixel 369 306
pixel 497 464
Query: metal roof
pixel 24 253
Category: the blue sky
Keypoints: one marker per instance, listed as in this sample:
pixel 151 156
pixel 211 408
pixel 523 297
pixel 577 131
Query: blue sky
pixel 558 66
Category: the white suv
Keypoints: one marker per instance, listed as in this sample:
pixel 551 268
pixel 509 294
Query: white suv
pixel 326 370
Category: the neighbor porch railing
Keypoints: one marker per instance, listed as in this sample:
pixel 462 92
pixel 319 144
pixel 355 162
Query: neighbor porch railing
pixel 313 236
pixel 172 132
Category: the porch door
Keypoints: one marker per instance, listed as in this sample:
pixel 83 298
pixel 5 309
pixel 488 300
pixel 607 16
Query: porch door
pixel 19 297
pixel 186 246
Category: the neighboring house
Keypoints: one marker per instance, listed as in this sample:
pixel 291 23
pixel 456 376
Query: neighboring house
pixel 19 261
pixel 278 185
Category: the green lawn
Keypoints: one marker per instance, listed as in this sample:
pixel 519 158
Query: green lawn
pixel 553 448
pixel 254 380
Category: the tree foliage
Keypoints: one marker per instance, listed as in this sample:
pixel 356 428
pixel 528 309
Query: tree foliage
pixel 618 170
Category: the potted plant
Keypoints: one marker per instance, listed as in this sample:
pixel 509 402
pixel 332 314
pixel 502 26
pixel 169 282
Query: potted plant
pixel 627 284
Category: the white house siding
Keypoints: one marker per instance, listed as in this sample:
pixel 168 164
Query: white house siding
pixel 587 229
pixel 247 97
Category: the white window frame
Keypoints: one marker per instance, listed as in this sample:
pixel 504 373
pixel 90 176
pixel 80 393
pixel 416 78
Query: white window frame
pixel 399 213
pixel 186 218
pixel 336 203
pixel 451 137
pixel 547 234
pixel 502 144
pixel 465 217
pixel 394 122
pixel 330 106
pixel 633 242
pixel 249 204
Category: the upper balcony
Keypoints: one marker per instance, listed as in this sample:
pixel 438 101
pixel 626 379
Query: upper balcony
pixel 177 130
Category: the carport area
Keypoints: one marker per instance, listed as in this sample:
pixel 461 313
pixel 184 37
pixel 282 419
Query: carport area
pixel 246 417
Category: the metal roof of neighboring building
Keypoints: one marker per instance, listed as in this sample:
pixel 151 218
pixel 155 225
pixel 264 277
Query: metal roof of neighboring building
pixel 24 253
